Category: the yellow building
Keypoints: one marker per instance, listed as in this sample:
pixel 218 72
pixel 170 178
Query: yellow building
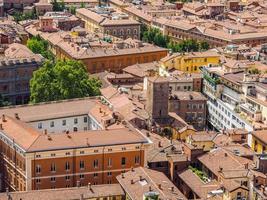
pixel 183 133
pixel 202 139
pixel 189 62
pixel 259 141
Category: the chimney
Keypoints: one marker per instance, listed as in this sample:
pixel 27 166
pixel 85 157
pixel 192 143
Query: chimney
pixel 150 189
pixel 160 187
pixel 172 189
pixel 89 186
pixel 81 197
pixel 1 126
pixel 147 134
pixel 159 144
pixel 220 169
pixel 17 116
pixel 140 178
pixel 246 165
pixel 132 181
pixel 262 188
pixel 45 131
pixel 78 183
pixel 225 155
pixel 3 118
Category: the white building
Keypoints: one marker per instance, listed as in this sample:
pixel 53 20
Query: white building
pixel 61 116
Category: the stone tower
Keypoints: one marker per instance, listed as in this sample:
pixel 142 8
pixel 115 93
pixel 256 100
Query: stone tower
pixel 157 98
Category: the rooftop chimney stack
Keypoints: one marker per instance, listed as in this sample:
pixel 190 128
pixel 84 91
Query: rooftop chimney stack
pixel 3 118
pixel 17 116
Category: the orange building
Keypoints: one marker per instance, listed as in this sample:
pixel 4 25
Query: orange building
pixel 32 160
pixel 96 53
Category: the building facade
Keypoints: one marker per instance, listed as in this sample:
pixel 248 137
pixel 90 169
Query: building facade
pixel 16 70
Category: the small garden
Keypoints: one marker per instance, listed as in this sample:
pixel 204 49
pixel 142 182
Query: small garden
pixel 202 175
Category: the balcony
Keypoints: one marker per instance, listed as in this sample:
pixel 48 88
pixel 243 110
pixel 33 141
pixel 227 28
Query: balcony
pixel 251 112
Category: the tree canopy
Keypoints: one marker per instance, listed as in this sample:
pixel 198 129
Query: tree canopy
pixel 3 101
pixel 39 46
pixel 62 80
pixel 19 16
pixel 58 5
pixel 154 35
pixel 188 46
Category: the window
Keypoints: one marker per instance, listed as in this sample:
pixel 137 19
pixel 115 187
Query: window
pixel 40 125
pixel 109 182
pixel 38 156
pixel 109 173
pixel 85 119
pixel 109 162
pixel 67 178
pixel 95 163
pixel 53 179
pixel 53 154
pixel 95 175
pixel 75 129
pixel 38 180
pixel 75 121
pixel 52 124
pixel 123 161
pixel 81 176
pixel 81 152
pixel 136 159
pixel 63 122
pixel 81 164
pixel 53 167
pixel 67 166
pixel 38 169
pixel 67 153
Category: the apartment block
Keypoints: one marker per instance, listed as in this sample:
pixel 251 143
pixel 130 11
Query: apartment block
pixel 190 106
pixel 98 52
pixel 77 142
pixel 121 28
pixel 189 62
pixel 16 69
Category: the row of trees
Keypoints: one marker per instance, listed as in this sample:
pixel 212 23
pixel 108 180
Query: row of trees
pixel 154 35
pixel 19 16
pixel 59 5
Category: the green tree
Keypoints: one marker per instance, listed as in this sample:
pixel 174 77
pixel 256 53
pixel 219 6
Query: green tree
pixel 3 101
pixel 154 35
pixel 62 80
pixel 82 5
pixel 58 5
pixel 204 45
pixel 72 10
pixel 254 71
pixel 19 16
pixel 40 46
pixel 188 46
